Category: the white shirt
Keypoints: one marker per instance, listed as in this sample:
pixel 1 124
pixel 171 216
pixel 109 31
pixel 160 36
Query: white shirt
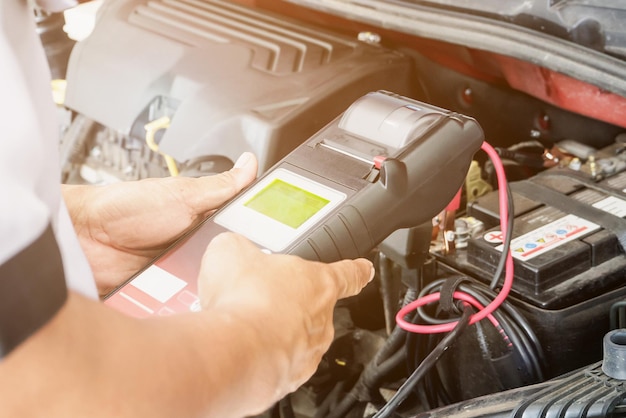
pixel 30 197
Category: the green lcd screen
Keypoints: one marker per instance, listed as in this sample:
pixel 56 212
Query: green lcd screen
pixel 286 203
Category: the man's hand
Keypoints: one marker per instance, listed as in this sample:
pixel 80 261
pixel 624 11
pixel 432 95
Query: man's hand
pixel 283 304
pixel 123 226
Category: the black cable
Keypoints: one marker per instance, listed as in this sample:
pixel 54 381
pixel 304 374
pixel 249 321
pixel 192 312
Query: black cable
pixel 431 359
pixel 515 326
pixel 417 344
pixel 483 295
pixel 506 242
pixel 524 330
pixel 397 336
pixel 533 161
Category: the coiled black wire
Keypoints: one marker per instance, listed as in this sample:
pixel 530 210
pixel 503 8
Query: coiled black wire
pixel 523 340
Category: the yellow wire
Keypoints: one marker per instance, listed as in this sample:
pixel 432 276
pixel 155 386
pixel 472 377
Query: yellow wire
pixel 151 129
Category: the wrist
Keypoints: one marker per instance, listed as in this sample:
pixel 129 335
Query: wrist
pixel 252 361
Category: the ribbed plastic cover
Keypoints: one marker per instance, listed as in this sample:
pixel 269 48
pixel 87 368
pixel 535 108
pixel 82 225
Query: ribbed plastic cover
pixel 239 79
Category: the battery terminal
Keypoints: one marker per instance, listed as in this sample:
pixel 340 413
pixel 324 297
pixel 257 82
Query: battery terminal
pixel 593 167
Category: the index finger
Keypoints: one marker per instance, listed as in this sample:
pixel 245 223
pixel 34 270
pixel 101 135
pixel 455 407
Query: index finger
pixel 351 276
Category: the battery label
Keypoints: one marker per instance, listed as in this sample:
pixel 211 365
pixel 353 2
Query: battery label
pixel 550 236
pixel 554 234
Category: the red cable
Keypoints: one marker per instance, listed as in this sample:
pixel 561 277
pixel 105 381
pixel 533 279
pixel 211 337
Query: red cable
pixel 484 312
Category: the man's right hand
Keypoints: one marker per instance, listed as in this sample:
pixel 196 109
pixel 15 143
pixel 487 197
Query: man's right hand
pixel 285 303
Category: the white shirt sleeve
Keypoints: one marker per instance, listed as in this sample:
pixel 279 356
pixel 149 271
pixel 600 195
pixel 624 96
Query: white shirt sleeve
pixel 29 163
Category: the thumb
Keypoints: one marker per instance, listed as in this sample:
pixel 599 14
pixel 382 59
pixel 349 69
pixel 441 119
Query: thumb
pixel 244 170
pixel 351 276
pixel 210 192
pixel 238 177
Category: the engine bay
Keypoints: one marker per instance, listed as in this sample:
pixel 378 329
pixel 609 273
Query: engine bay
pixel 182 87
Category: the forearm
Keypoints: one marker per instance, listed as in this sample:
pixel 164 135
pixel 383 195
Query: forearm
pixel 92 361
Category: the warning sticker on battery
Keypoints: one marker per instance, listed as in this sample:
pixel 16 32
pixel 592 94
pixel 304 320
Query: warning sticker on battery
pixel 550 236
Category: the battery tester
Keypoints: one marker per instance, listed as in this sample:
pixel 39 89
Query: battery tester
pixel 388 162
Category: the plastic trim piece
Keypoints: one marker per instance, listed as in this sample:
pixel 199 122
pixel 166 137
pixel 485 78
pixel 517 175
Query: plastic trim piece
pixel 586 393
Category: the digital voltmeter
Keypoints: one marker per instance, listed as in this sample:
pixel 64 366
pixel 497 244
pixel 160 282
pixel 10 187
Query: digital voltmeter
pixel 388 162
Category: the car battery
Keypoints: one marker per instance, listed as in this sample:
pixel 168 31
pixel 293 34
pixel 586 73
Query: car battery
pixel 566 235
pixel 568 247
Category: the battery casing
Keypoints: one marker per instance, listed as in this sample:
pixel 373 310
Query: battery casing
pixel 567 282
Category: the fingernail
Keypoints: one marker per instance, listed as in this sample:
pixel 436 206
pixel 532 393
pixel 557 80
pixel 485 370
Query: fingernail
pixel 242 160
pixel 373 272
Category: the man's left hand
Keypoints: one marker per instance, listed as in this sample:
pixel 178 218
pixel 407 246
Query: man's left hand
pixel 122 226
